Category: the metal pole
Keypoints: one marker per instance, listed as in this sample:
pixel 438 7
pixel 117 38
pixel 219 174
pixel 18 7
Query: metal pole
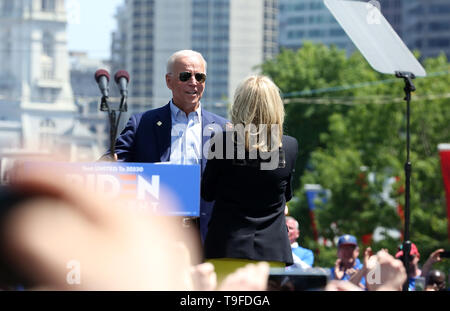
pixel 409 87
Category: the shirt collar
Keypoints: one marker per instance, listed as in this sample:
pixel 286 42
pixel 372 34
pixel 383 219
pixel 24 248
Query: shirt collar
pixel 294 245
pixel 175 111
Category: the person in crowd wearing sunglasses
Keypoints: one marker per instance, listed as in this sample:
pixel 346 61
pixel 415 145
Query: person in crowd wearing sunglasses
pixel 174 133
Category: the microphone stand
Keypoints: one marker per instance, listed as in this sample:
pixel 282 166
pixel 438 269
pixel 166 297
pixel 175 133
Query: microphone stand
pixel 409 87
pixel 113 122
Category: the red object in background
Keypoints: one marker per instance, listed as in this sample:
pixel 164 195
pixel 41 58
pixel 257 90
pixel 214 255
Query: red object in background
pixel 444 151
pixel 401 212
pixel 367 239
pixel 315 233
pixel 313 224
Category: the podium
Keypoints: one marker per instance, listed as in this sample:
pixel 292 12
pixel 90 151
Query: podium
pixel 159 188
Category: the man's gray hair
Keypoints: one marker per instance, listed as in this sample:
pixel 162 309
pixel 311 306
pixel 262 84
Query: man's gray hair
pixel 173 58
pixel 295 220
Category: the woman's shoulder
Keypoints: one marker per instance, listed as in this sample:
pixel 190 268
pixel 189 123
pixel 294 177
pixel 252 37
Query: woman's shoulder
pixel 290 142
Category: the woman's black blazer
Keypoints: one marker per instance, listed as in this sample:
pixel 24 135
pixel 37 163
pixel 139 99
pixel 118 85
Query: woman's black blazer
pixel 247 220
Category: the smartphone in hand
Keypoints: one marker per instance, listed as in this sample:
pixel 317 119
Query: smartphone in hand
pixel 445 254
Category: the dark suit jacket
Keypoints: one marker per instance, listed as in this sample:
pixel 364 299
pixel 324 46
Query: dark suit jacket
pixel 248 219
pixel 147 138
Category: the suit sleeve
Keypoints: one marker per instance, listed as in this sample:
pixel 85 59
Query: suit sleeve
pixel 291 154
pixel 125 142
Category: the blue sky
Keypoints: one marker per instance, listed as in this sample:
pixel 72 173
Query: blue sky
pixel 90 25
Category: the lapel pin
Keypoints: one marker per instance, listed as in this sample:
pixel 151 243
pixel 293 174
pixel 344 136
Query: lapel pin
pixel 159 123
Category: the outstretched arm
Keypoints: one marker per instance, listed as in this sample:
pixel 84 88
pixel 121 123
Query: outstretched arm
pixel 434 257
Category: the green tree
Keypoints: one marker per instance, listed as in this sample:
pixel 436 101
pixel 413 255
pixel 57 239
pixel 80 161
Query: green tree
pixel 354 146
pixel 306 70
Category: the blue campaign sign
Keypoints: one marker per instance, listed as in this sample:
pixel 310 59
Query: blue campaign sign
pixel 165 189
pixel 314 192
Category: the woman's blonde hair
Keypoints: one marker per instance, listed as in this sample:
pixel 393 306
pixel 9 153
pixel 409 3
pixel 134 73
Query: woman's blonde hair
pixel 257 103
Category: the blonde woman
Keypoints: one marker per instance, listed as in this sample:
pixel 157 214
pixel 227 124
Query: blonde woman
pixel 250 183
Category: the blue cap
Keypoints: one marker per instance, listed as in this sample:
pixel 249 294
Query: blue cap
pixel 347 239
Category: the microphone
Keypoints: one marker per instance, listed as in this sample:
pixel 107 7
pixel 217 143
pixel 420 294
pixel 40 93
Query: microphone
pixel 102 78
pixel 122 79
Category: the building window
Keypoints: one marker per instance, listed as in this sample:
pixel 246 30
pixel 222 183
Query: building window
pixel 439 43
pixel 337 32
pixel 47 95
pixel 47 62
pixel 48 5
pixel 47 124
pixel 439 26
pixel 316 33
pixel 47 70
pixel 439 9
pixel 47 44
pixel 47 131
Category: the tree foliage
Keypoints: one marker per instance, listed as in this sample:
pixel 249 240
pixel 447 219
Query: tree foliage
pixel 352 140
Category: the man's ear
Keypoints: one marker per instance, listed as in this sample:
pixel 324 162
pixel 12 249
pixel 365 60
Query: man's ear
pixel 169 80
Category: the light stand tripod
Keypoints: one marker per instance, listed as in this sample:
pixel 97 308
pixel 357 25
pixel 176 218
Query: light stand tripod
pixel 409 87
pixel 386 53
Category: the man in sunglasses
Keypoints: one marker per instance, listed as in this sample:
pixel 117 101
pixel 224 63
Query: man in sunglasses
pixel 174 132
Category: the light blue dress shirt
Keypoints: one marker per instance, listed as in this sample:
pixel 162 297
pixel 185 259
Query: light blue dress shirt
pixel 186 137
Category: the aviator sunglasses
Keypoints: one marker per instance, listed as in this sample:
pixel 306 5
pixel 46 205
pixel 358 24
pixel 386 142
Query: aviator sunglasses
pixel 185 76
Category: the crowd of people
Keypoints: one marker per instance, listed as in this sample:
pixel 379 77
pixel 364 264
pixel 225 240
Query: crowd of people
pixel 49 223
pixel 242 230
